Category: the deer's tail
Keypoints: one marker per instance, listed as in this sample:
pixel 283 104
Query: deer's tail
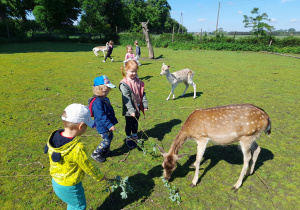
pixel 268 129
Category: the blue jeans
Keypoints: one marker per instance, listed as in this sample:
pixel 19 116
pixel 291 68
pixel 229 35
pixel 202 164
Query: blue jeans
pixel 105 144
pixel 72 195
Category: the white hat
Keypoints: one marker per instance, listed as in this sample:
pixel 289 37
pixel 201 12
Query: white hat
pixel 78 113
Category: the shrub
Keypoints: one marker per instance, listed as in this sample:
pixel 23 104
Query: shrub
pixel 129 38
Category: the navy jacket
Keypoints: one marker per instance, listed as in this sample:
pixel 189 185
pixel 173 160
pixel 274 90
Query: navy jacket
pixel 104 115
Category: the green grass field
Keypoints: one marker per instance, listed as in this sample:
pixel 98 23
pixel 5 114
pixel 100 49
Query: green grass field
pixel 39 80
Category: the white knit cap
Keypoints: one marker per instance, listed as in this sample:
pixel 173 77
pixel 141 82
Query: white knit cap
pixel 78 113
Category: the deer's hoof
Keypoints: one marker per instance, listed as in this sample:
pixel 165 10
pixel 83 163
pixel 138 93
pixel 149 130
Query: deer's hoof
pixel 192 185
pixel 234 188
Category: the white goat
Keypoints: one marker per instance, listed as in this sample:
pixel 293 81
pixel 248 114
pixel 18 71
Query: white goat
pixel 96 50
pixel 184 75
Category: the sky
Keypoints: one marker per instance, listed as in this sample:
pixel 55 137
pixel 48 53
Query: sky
pixel 197 15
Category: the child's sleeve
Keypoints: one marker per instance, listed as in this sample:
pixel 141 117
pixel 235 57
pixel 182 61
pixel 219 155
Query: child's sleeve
pixel 126 98
pixel 100 116
pixel 86 165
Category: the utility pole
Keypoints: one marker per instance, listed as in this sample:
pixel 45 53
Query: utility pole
pixel 218 19
pixel 180 23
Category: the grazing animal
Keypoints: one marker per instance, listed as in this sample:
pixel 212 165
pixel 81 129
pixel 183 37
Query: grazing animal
pixel 184 75
pixel 223 125
pixel 96 50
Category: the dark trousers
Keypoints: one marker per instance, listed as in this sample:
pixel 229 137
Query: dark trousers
pixel 108 55
pixel 131 125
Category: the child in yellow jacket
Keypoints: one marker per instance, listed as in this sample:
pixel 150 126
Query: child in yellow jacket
pixel 68 159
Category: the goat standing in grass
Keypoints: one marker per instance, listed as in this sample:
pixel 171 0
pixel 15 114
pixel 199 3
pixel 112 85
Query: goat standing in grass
pixel 175 78
pixel 96 50
pixel 223 125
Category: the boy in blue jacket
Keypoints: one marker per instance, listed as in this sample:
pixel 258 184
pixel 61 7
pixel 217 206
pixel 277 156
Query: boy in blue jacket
pixel 104 116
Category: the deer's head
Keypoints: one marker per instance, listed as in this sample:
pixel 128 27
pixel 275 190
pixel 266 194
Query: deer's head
pixel 169 163
pixel 164 69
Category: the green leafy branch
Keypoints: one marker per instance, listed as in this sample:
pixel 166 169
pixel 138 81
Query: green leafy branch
pixel 173 192
pixel 141 145
pixel 118 182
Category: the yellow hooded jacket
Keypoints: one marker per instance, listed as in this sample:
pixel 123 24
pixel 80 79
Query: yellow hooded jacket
pixel 73 163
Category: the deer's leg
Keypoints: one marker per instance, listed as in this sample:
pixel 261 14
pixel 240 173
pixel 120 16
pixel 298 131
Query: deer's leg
pixel 172 91
pixel 194 85
pixel 103 53
pixel 95 53
pixel 170 94
pixel 201 146
pixel 186 87
pixel 255 152
pixel 245 143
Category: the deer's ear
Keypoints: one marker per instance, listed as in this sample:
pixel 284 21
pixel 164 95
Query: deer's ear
pixel 181 156
pixel 161 150
pixel 163 64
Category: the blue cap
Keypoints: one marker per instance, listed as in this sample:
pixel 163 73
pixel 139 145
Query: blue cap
pixel 103 80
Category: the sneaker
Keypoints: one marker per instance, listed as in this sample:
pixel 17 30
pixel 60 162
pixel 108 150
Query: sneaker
pixel 104 61
pixel 112 60
pixel 98 158
pixel 130 143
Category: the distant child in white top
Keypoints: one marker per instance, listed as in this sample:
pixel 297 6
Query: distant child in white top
pixel 130 55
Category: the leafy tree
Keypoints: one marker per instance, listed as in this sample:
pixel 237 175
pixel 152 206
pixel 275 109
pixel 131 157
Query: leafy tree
pixel 103 17
pixel 56 14
pixel 256 23
pixel 160 12
pixel 92 20
pixel 10 12
pixel 292 30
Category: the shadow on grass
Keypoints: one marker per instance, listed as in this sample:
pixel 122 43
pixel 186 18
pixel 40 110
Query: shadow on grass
pixel 187 95
pixel 161 129
pixel 142 184
pixel 231 154
pixel 121 150
pixel 146 78
pixel 159 57
pixel 146 64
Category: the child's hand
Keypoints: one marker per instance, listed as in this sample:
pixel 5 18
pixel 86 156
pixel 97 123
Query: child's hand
pixel 133 114
pixel 146 109
pixel 112 128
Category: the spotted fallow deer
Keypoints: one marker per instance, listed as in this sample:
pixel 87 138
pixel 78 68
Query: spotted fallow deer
pixel 96 50
pixel 175 78
pixel 223 125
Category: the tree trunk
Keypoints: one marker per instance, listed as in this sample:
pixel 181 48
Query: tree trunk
pixel 147 37
pixel 7 29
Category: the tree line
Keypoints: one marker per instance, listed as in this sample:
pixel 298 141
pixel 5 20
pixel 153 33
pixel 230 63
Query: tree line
pixel 94 17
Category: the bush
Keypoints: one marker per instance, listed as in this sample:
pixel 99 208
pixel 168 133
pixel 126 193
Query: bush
pixel 287 41
pixel 129 38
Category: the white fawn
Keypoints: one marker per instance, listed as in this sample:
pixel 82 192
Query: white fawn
pixel 223 125
pixel 96 50
pixel 175 78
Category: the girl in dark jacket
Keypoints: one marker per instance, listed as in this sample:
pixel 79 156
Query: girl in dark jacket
pixel 109 51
